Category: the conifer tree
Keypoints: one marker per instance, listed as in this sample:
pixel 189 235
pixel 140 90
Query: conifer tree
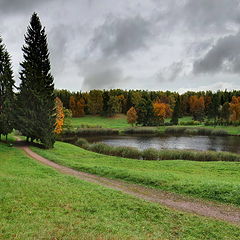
pixel 145 112
pixel 176 112
pixel 6 92
pixel 36 107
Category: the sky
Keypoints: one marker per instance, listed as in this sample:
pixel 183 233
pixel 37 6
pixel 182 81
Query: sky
pixel 175 45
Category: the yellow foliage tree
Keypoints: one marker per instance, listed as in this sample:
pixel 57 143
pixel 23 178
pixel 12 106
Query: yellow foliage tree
pixel 162 110
pixel 235 109
pixel 59 116
pixel 132 116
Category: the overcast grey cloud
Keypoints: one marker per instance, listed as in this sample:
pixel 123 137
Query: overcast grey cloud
pixel 224 56
pixel 121 36
pixel 151 44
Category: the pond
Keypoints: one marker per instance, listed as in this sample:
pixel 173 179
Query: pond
pixel 202 143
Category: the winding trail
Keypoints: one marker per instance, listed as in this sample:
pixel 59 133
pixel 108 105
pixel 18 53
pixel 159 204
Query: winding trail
pixel 209 209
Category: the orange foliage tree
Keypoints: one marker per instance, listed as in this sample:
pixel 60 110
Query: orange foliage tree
pixel 77 106
pixel 59 116
pixel 132 116
pixel 235 109
pixel 197 107
pixel 162 110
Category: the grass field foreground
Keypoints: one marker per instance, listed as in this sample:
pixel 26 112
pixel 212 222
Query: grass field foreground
pixel 218 181
pixel 36 202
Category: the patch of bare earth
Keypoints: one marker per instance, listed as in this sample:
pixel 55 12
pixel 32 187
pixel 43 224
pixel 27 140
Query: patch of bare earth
pixel 209 209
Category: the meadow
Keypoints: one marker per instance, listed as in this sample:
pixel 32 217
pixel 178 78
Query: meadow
pixel 217 181
pixel 36 202
pixel 120 122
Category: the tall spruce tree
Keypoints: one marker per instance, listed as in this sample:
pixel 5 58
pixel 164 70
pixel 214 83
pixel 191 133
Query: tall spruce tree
pixel 176 112
pixel 36 108
pixel 6 92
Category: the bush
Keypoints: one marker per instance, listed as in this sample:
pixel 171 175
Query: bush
pixel 196 131
pixel 88 126
pixel 126 152
pixel 190 123
pixel 96 131
pixel 82 142
pixel 88 132
pixel 175 130
pixel 150 154
pixel 205 131
pixel 140 131
pixel 100 148
pixel 220 133
pixel 191 131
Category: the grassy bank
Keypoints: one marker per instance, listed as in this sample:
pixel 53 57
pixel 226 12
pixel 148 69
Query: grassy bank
pixel 155 154
pixel 39 203
pixel 120 122
pixel 210 180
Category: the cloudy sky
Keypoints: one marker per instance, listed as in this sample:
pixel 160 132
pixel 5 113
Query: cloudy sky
pixel 175 45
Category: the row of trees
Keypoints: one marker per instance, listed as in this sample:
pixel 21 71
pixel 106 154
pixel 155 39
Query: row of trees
pixel 153 107
pixel 31 110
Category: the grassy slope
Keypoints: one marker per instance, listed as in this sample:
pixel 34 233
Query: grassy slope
pixel 211 180
pixel 36 202
pixel 116 122
pixel 121 123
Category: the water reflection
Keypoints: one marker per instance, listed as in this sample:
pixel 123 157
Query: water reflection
pixel 203 143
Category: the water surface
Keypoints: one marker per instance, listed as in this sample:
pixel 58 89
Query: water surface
pixel 203 143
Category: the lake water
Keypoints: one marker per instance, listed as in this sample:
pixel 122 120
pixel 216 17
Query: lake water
pixel 203 143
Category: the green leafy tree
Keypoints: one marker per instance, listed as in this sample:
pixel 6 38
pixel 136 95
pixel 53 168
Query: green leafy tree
pixel 114 106
pixel 6 92
pixel 36 106
pixel 95 102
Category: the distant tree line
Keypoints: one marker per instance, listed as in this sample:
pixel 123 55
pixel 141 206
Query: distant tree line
pixel 31 108
pixel 152 107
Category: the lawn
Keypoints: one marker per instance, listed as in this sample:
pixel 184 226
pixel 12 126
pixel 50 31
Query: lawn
pixel 36 202
pixel 218 181
pixel 120 121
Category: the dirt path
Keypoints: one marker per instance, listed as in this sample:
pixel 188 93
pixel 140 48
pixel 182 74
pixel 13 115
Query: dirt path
pixel 204 208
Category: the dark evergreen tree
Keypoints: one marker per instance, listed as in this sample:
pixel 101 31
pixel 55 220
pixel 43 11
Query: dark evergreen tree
pixel 36 108
pixel 145 113
pixel 176 112
pixel 6 92
pixel 213 110
pixel 105 97
pixel 225 111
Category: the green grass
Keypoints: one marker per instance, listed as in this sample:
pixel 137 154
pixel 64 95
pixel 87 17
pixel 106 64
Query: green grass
pixel 120 122
pixel 36 202
pixel 116 122
pixel 218 181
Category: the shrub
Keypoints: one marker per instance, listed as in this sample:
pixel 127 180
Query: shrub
pixel 140 131
pixel 100 148
pixel 88 126
pixel 190 123
pixel 127 152
pixel 175 130
pixel 220 132
pixel 96 131
pixel 191 131
pixel 150 154
pixel 82 142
